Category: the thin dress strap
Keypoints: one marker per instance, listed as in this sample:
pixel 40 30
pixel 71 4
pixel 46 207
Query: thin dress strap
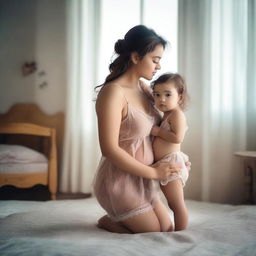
pixel 123 93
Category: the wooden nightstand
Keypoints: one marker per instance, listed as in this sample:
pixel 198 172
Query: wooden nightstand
pixel 249 159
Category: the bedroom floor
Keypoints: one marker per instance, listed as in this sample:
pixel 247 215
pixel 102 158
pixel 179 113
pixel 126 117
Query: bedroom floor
pixel 36 193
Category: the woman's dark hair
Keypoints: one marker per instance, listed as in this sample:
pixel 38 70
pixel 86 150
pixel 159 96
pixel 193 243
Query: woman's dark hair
pixel 179 84
pixel 138 39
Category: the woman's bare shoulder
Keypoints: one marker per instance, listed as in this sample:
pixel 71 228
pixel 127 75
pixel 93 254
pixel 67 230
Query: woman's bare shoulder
pixel 110 92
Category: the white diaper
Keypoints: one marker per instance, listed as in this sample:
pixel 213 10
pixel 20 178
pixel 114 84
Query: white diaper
pixel 180 159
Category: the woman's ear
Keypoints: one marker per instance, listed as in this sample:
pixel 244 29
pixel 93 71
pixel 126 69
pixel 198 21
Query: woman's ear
pixel 135 57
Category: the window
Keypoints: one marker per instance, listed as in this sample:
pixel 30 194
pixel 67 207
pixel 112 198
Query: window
pixel 117 17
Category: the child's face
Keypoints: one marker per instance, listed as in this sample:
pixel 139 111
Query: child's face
pixel 166 96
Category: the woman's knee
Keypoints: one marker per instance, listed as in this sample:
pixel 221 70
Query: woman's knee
pixel 147 229
pixel 136 228
pixel 143 223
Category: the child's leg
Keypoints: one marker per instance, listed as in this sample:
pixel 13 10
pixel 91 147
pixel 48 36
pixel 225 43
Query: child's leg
pixel 163 217
pixel 173 192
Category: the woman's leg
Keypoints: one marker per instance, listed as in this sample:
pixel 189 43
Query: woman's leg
pixel 106 223
pixel 155 220
pixel 143 222
pixel 174 194
pixel 163 217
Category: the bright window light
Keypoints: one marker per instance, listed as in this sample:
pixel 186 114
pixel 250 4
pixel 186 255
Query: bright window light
pixel 162 16
pixel 117 17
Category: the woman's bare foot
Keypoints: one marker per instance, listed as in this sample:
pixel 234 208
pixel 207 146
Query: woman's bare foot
pixel 106 223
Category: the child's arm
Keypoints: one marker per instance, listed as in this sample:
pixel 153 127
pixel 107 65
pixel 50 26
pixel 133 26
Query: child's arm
pixel 178 124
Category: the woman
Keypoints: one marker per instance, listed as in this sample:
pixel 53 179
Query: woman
pixel 125 183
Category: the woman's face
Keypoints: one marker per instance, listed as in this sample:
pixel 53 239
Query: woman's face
pixel 150 63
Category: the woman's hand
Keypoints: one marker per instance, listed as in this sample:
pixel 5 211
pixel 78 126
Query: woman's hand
pixel 164 170
pixel 188 165
pixel 155 130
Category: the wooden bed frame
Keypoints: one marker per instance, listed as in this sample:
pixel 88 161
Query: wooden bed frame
pixel 26 124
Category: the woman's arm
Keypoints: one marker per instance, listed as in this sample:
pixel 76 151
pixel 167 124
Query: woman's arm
pixel 147 89
pixel 109 108
pixel 177 121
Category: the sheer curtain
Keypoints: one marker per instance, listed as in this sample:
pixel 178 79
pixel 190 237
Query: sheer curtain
pixel 117 17
pixel 93 28
pixel 81 151
pixel 216 45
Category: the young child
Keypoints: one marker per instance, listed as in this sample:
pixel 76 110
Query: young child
pixel 170 96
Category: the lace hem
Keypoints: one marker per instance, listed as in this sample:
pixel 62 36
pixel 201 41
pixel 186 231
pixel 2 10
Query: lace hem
pixel 132 213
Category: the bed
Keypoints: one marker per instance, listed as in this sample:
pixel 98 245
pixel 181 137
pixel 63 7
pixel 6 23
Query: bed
pixel 28 147
pixel 68 227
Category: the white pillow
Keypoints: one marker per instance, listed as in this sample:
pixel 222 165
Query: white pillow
pixel 20 154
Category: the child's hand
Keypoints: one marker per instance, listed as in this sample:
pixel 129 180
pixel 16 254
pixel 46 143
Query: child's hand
pixel 155 130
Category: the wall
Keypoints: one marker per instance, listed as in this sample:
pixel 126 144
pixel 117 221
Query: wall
pixel 251 82
pixel 33 30
pixel 17 44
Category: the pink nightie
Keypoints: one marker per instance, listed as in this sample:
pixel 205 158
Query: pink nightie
pixel 120 193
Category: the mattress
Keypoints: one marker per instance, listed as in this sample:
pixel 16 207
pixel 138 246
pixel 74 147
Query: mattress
pixel 23 168
pixel 68 227
pixel 19 159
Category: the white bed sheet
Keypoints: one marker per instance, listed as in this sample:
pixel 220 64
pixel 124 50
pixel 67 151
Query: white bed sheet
pixel 23 168
pixel 16 159
pixel 69 228
pixel 20 154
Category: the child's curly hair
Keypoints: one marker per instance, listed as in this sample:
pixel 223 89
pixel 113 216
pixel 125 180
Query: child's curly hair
pixel 179 84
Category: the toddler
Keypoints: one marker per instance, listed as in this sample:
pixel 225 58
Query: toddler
pixel 170 96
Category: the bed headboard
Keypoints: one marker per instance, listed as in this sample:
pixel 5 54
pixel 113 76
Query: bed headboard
pixel 31 113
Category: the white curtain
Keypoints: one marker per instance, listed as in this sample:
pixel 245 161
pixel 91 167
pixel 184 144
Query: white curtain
pixel 217 57
pixel 81 150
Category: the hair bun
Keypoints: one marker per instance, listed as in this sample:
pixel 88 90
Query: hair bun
pixel 120 46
